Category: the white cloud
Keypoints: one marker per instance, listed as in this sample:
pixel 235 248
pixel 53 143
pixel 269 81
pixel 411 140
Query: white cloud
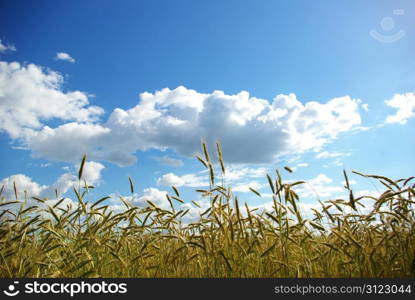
pixel 351 182
pixel 154 195
pixel 26 189
pixel 299 165
pixel 189 180
pixel 30 95
pixel 92 172
pixel 68 142
pixel 179 118
pixel 170 179
pixel 23 183
pixel 320 186
pixel 65 182
pixel 64 56
pixel 244 187
pixel 251 130
pixel 326 154
pixel 405 105
pixel 6 47
pixel 371 193
pixel 236 173
pixel 304 207
pixel 365 106
pixel 358 129
pixel 194 212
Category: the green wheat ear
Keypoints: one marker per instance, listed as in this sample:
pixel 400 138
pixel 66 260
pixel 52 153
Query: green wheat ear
pixel 81 167
pixel 131 185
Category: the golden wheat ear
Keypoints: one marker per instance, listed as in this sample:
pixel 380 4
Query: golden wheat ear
pixel 279 235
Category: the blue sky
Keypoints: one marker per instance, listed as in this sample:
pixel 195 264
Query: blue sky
pixel 297 83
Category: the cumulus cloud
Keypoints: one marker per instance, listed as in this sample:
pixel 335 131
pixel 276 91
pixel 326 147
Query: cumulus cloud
pixel 154 195
pixel 30 95
pixel 323 188
pixel 234 174
pixel 299 165
pixel 92 172
pixel 320 186
pixel 170 179
pixel 68 142
pixel 65 182
pixel 6 47
pixel 23 183
pixel 244 186
pixel 194 212
pixel 189 180
pixel 27 188
pixel 178 118
pixel 405 105
pixel 64 56
pixel 251 130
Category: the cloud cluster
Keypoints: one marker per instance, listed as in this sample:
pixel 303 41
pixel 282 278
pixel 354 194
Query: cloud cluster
pixel 188 180
pixel 251 130
pixel 6 47
pixel 299 165
pixel 23 184
pixel 65 182
pixel 319 187
pixel 243 187
pixel 405 105
pixel 154 195
pixel 30 96
pixel 64 56
pixel 234 174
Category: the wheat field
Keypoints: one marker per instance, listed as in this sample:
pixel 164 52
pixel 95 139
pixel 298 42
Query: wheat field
pixel 229 239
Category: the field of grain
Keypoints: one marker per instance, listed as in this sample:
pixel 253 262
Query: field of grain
pixel 229 239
